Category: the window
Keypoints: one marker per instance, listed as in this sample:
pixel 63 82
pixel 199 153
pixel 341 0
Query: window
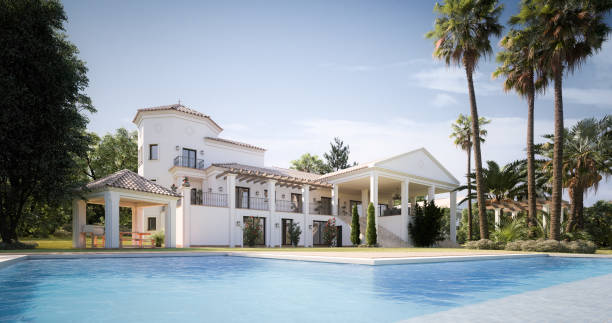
pixel 153 152
pixel 189 158
pixel 286 226
pixel 317 232
pixel 261 224
pixel 242 197
pixel 151 224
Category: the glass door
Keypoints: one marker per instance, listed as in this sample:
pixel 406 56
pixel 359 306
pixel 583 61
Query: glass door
pixel 242 197
pixel 286 226
pixel 189 158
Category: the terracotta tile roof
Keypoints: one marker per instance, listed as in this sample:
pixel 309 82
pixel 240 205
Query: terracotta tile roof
pixel 275 173
pixel 129 180
pixel 179 108
pixel 232 142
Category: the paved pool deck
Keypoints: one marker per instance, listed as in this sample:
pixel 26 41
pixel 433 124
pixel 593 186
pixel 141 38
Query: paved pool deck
pixel 342 257
pixel 580 301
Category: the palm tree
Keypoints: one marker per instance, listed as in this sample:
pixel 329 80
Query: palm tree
pixel 462 132
pixel 519 67
pixel 587 159
pixel 571 31
pixel 461 35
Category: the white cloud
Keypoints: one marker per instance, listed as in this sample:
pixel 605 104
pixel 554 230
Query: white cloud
pixel 443 99
pixel 372 67
pixel 453 80
pixel 598 97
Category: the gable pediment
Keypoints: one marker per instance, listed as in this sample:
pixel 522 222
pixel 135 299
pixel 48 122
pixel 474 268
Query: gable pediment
pixel 419 163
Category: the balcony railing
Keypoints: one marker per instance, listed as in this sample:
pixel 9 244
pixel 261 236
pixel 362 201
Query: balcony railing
pixel 209 199
pixel 321 208
pixel 253 203
pixel 182 161
pixel 391 211
pixel 288 206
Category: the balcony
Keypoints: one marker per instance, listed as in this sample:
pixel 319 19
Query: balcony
pixel 253 203
pixel 321 207
pixel 288 206
pixel 182 161
pixel 208 199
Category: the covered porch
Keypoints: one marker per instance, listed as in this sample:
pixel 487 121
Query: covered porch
pixel 122 189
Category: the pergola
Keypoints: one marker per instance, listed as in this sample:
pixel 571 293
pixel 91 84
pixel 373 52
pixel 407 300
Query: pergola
pixel 520 206
pixel 123 189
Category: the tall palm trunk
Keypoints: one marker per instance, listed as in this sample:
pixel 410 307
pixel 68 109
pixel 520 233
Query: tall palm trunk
pixel 555 215
pixel 570 226
pixel 469 189
pixel 482 213
pixel 531 186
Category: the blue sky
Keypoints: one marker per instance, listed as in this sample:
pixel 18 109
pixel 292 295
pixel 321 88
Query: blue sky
pixel 291 75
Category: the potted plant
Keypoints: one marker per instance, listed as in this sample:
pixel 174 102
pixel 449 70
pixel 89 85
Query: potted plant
pixel 158 238
pixel 294 234
pixel 250 232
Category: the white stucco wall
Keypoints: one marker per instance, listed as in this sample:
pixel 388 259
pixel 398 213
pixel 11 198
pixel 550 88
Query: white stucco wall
pixel 209 226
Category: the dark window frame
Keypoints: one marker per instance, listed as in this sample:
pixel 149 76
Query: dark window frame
pixel 149 226
pixel 151 151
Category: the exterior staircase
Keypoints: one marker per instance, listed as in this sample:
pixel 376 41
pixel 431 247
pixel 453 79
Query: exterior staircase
pixel 385 237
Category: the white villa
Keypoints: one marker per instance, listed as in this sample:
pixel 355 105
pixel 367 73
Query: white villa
pixel 200 189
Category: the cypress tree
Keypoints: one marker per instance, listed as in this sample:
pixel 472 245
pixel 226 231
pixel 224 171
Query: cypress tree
pixel 355 230
pixel 371 226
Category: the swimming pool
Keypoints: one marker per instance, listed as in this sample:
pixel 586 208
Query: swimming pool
pixel 238 289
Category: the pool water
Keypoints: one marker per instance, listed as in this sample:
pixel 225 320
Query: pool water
pixel 237 289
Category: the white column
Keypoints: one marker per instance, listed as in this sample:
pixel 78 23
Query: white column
pixel 514 214
pixel 271 231
pixel 364 202
pixel 231 208
pixel 141 219
pixel 306 232
pixel 111 219
pixel 374 197
pixel 79 219
pixel 170 225
pixel 453 216
pixel 334 201
pixel 186 217
pixel 134 224
pixel 497 218
pixel 545 208
pixel 405 202
pixel 431 193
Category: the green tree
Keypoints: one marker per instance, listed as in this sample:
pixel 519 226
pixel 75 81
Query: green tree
pixel 355 230
pixel 294 234
pixel 426 227
pixel 462 134
pixel 329 232
pixel 371 238
pixel 598 223
pixel 338 156
pixel 310 163
pixel 570 31
pixel 112 153
pixel 461 35
pixel 42 110
pixel 519 68
pixel 587 159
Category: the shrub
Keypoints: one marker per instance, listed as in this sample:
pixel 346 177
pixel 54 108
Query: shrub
pixel 371 226
pixel 329 232
pixel 581 246
pixel 158 238
pixel 62 234
pixel 549 246
pixel 510 231
pixel 250 232
pixel 17 245
pixel 514 245
pixel 294 234
pixel 485 244
pixel 426 227
pixel 355 230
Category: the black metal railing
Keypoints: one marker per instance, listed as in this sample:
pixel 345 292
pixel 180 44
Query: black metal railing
pixel 288 206
pixel 321 207
pixel 182 161
pixel 392 211
pixel 209 199
pixel 253 203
